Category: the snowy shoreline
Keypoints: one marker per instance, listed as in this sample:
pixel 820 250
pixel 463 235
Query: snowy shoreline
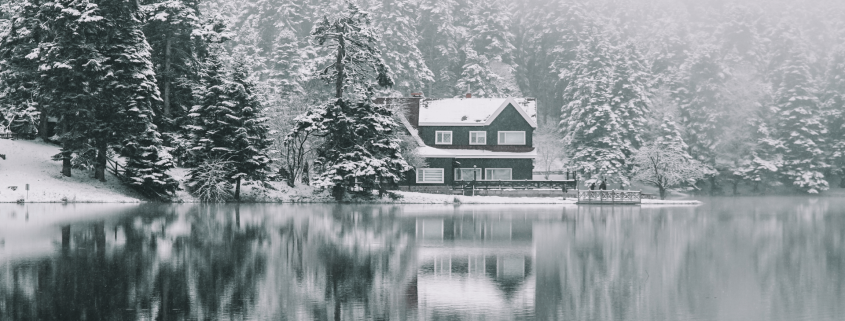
pixel 28 162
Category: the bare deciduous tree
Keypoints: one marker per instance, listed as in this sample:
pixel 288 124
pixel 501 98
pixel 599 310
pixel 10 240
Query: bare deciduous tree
pixel 549 148
pixel 665 168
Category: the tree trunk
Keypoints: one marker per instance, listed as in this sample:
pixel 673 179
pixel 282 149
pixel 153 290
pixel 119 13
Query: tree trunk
pixel 341 51
pixel 713 188
pixel 338 191
pixel 42 125
pixel 735 185
pixel 66 153
pixel 662 193
pixel 66 156
pixel 238 190
pixel 100 167
pixel 842 182
pixel 167 77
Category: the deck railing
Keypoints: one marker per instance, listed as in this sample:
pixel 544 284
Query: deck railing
pixel 516 184
pixel 609 197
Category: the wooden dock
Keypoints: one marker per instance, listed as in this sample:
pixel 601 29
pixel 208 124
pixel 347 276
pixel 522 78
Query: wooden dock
pixel 609 197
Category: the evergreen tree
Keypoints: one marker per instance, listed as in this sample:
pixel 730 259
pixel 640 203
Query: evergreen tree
pixel 441 45
pixel 489 30
pixel 169 27
pixel 799 127
pixel 477 78
pixel 250 142
pixel 125 113
pixel 360 146
pixel 213 126
pixel 228 125
pixel 546 34
pixel 698 92
pixel 19 76
pixel 834 112
pixel 604 121
pixel 71 70
pixel 395 19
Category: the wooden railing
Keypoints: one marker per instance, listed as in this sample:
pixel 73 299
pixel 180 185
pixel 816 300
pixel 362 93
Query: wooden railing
pixel 609 197
pixel 116 169
pixel 11 135
pixel 516 184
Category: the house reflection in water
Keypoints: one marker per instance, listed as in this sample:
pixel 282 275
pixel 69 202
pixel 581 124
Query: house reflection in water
pixel 474 267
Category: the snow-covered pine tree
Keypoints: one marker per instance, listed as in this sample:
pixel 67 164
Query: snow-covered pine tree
pixel 214 117
pixel 798 125
pixel 546 36
pixel 476 77
pixel 125 113
pixel 396 21
pixel 71 69
pixel 604 121
pixel 19 75
pixel 169 28
pixel 738 34
pixel 360 146
pixel 834 113
pixel 698 90
pixel 250 142
pixel 489 30
pixel 440 44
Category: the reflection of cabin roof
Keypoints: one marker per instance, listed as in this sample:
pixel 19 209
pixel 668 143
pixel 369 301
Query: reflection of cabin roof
pixel 473 111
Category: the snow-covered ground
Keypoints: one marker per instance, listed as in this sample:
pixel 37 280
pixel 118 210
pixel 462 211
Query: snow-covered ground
pixel 28 162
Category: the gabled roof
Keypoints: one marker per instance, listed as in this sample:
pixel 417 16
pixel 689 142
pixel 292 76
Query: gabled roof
pixel 473 111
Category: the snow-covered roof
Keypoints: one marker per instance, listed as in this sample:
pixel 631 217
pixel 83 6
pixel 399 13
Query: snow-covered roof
pixel 473 111
pixel 431 152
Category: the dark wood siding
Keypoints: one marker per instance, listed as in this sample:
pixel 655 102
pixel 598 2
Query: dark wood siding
pixel 508 120
pixel 522 167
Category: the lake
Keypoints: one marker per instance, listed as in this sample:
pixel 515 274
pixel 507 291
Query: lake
pixel 775 258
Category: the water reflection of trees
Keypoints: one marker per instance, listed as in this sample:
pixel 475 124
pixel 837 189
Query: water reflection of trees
pixel 345 264
pixel 782 260
pixel 144 269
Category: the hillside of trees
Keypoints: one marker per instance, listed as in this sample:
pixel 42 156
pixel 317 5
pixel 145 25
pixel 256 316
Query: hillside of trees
pixel 752 89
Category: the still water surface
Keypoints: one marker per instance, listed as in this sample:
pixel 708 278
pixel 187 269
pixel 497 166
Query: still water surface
pixel 729 259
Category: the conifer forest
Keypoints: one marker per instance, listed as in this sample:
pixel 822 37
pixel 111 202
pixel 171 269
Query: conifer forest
pixel 751 92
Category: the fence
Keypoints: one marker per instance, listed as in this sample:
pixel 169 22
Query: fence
pixel 609 197
pixel 116 169
pixel 516 184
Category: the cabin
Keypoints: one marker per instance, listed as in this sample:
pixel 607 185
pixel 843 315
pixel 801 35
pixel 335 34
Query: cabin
pixel 465 139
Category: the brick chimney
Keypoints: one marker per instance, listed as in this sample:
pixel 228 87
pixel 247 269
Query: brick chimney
pixel 469 95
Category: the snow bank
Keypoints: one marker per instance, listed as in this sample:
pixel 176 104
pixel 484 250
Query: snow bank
pixel 673 202
pixel 28 162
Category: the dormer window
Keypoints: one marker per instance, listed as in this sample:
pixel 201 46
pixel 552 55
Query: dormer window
pixel 478 138
pixel 511 138
pixel 443 137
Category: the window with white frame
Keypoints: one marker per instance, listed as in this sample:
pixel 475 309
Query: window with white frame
pixel 478 138
pixel 498 174
pixel 511 138
pixel 443 137
pixel 430 175
pixel 467 174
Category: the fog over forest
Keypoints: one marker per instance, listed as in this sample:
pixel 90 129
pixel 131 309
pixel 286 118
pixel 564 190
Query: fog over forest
pixel 752 89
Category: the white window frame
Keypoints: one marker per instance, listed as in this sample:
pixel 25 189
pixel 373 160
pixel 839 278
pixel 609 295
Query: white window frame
pixel 483 135
pixel 500 136
pixel 477 170
pixel 488 173
pixel 421 173
pixel 438 142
